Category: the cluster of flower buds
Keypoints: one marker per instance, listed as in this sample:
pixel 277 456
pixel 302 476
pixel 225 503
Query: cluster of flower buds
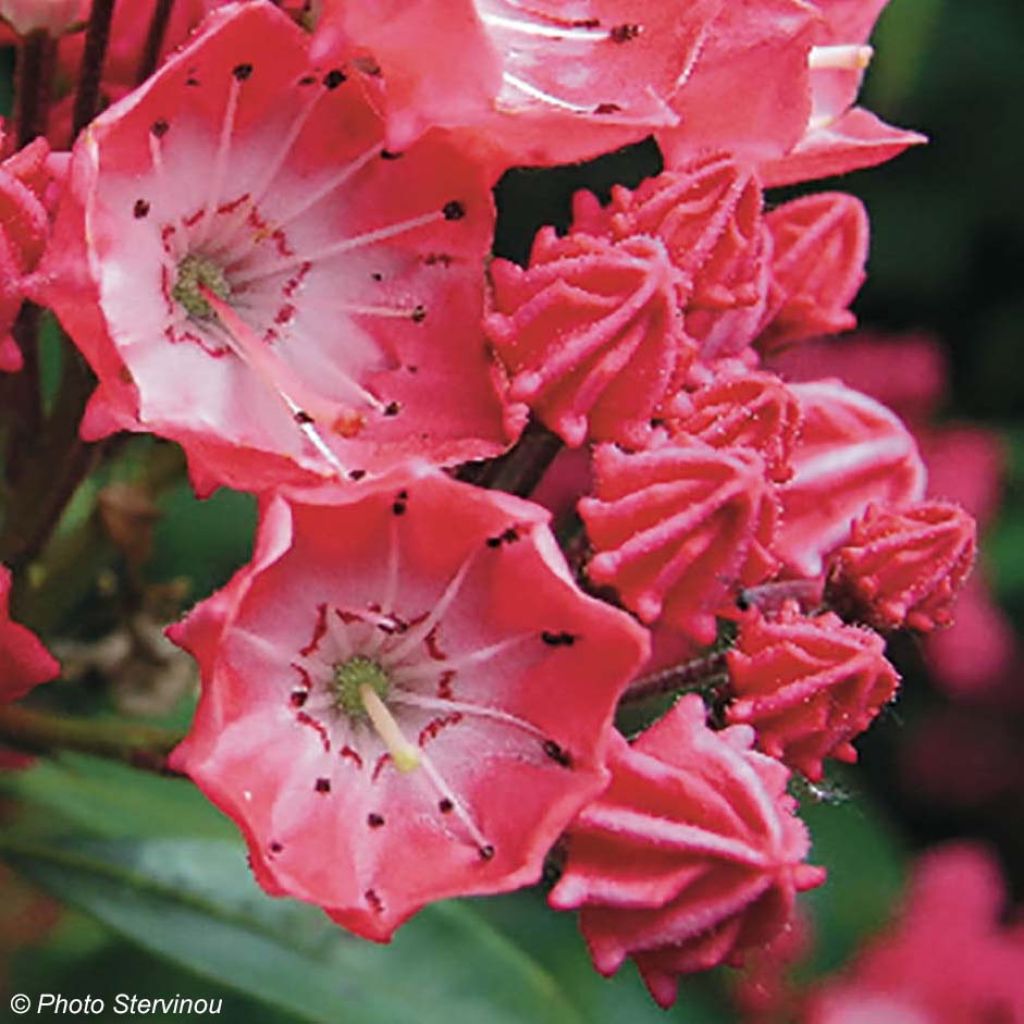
pixel 274 252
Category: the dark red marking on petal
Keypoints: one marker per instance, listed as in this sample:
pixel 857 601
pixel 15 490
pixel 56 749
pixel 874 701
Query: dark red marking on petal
pixel 433 727
pixel 318 727
pixel 322 785
pixel 351 755
pixel 319 629
pixel 375 820
pixel 140 209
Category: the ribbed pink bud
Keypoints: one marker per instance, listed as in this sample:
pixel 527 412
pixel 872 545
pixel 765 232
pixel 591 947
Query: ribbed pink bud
pixel 904 567
pixel 590 334
pixel 755 410
pixel 679 529
pixel 690 857
pixel 820 248
pixel 808 685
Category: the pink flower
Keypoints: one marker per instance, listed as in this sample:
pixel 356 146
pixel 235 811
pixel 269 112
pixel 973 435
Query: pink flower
pixel 690 857
pixel 24 662
pixel 27 181
pixel 808 685
pixel 819 252
pixel 538 83
pixel 52 16
pixel 590 334
pixel 251 273
pixel 753 410
pixel 904 566
pixel 384 715
pixel 947 960
pixel 708 215
pixel 851 452
pixel 678 529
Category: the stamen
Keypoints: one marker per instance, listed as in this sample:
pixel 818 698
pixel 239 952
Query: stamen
pixel 220 162
pixel 338 248
pixel 544 31
pixel 839 58
pixel 545 97
pixel 415 700
pixel 405 756
pixel 453 805
pixel 420 672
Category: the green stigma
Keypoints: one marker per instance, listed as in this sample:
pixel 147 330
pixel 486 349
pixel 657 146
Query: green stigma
pixel 349 679
pixel 195 271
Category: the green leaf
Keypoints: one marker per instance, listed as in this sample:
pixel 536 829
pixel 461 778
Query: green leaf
pixel 194 902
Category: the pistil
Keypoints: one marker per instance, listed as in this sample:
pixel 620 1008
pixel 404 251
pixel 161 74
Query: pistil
pixel 405 756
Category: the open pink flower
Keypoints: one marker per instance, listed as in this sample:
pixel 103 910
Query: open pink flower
pixel 851 452
pixel 808 685
pixel 678 529
pixel 904 566
pixel 384 715
pixel 251 273
pixel 540 82
pixel 820 247
pixel 708 215
pixel 24 662
pixel 948 959
pixel 590 334
pixel 691 856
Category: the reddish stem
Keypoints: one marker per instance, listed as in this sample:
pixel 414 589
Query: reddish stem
pixel 97 36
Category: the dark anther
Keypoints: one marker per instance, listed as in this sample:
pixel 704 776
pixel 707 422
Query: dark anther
pixel 378 277
pixel 298 697
pixel 419 314
pixel 454 210
pixel 192 81
pixel 509 536
pixel 242 71
pixel 140 209
pixel 743 601
pixel 487 852
pixel 307 79
pixel 356 474
pixel 557 754
pixel 374 900
pixel 302 417
pixel 399 507
pixel 445 806
pixel 323 785
pixel 159 128
pixel 558 639
pixel 607 108
pixel 392 409
pixel 623 33
pixel 374 820
pixel 389 154
pixel 334 78
pixel 276 847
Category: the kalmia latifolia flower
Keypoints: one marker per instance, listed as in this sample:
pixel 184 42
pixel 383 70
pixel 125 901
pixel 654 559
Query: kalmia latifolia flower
pixel 904 566
pixel 678 529
pixel 590 334
pixel 820 247
pixel 808 685
pixel 540 82
pixel 27 181
pixel 691 856
pixel 24 662
pixel 253 274
pixel 851 452
pixel 708 215
pixel 385 713
pixel 949 959
pixel 751 410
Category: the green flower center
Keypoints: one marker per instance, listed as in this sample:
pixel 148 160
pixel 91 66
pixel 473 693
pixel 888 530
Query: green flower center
pixel 349 679
pixel 195 271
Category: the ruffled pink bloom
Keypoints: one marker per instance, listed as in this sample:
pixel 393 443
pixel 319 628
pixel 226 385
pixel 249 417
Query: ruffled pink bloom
pixel 679 529
pixel 808 685
pixel 820 247
pixel 851 452
pixel 28 179
pixel 948 959
pixel 708 215
pixel 755 410
pixel 839 137
pixel 775 83
pixel 904 566
pixel 540 82
pixel 384 715
pixel 251 273
pixel 24 662
pixel 590 334
pixel 690 857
